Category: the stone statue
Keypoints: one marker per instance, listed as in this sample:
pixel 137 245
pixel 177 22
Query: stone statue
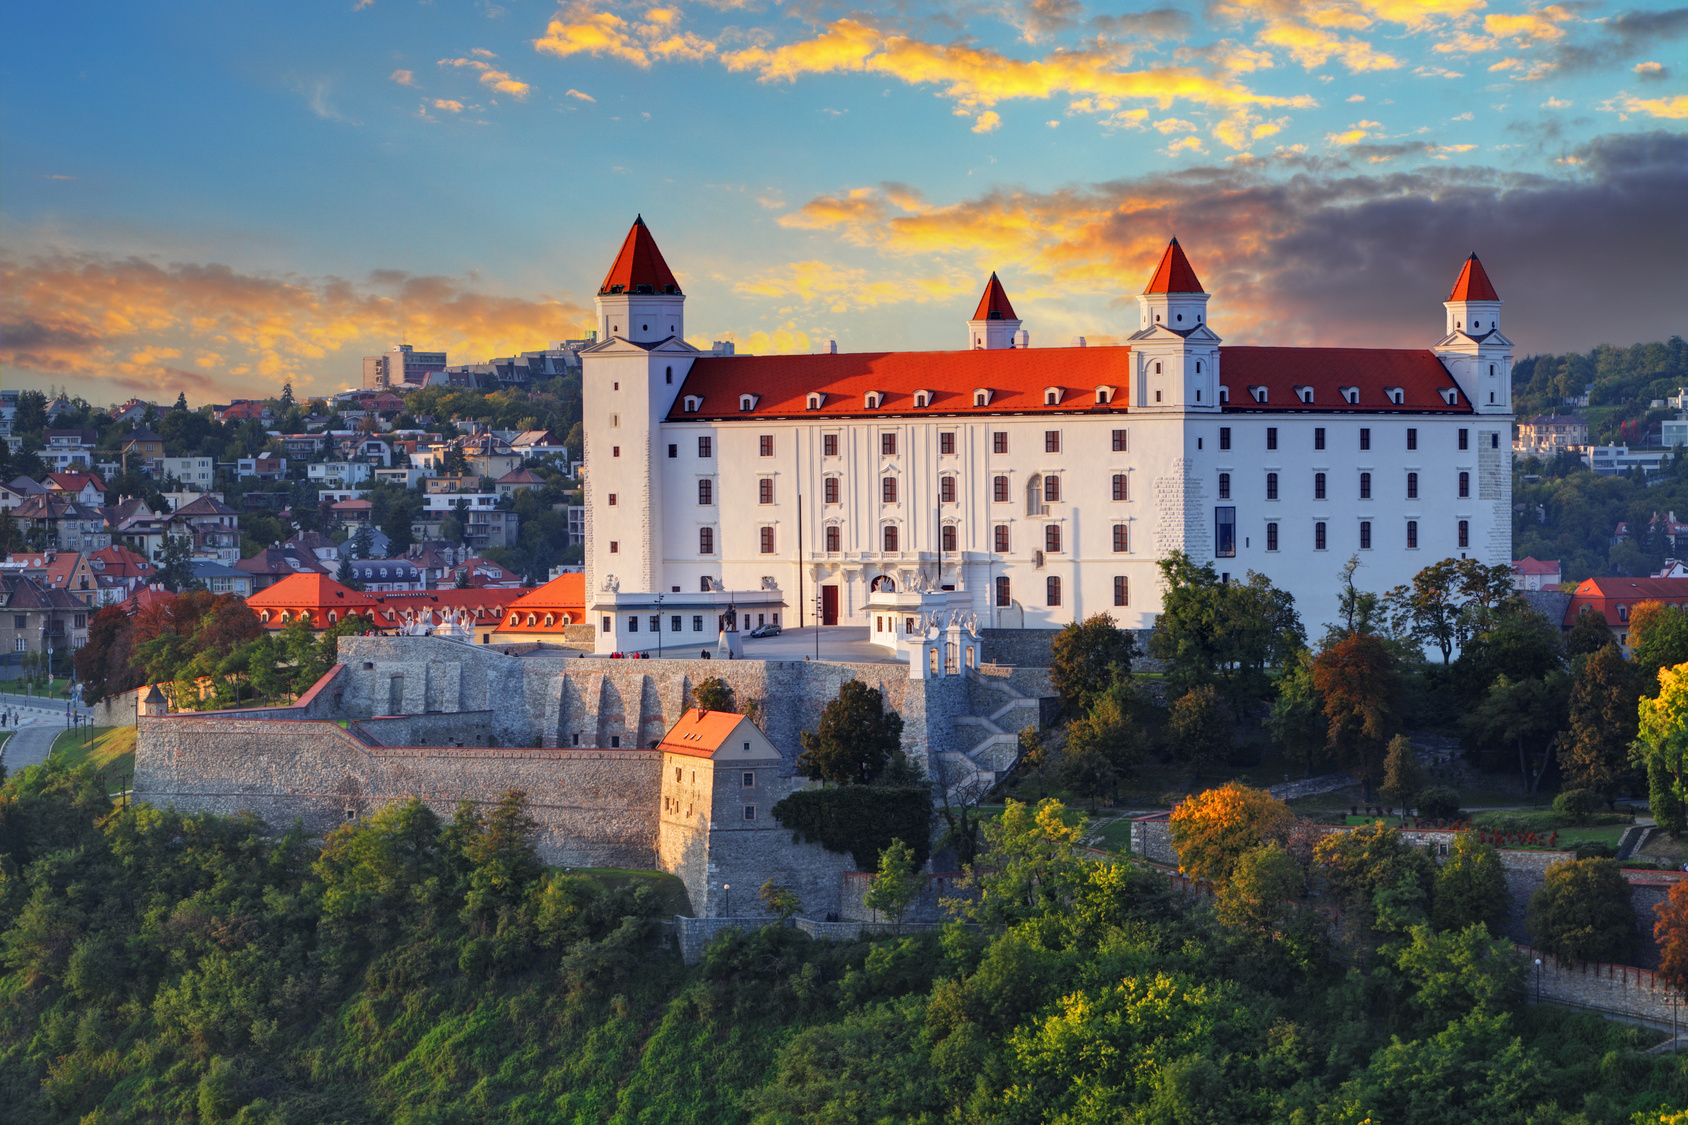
pixel 612 584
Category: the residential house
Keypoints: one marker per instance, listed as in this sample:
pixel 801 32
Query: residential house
pixel 132 523
pixel 1548 435
pixel 478 574
pixel 11 497
pixel 1607 460
pixel 197 473
pixel 404 478
pixel 576 516
pixel 436 557
pixel 68 449
pixel 243 410
pixel 272 564
pixel 69 571
pixel 132 411
pixel 68 525
pixel 388 575
pixel 120 572
pixel 490 456
pixel 85 487
pixel 352 511
pixel 222 579
pixel 214 527
pixel 1533 574
pixel 453 485
pixel 34 618
pixel 262 468
pixel 373 451
pixel 266 501
pixel 338 474
pixel 302 447
pixel 318 544
pixel 517 480
pixel 144 449
pixel 1614 598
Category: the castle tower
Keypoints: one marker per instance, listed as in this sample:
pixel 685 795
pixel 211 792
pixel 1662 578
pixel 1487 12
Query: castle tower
pixel 994 324
pixel 629 380
pixel 1472 348
pixel 639 300
pixel 1177 354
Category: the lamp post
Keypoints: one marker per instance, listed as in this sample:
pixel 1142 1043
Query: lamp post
pixel 659 598
pixel 1538 980
pixel 727 894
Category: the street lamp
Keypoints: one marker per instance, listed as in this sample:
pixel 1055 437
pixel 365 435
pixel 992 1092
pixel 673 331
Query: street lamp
pixel 1538 980
pixel 659 598
pixel 727 893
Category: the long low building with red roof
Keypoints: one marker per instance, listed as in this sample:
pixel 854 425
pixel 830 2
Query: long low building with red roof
pixel 547 613
pixel 1019 486
pixel 470 614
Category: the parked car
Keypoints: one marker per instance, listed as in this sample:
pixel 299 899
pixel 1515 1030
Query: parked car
pixel 768 630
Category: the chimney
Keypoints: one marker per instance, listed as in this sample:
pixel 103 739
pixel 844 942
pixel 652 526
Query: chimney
pixel 832 347
pixel 1078 341
pixel 1022 339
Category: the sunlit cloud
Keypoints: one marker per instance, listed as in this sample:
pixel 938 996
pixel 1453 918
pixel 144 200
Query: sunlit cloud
pixel 1669 109
pixel 403 78
pixel 120 323
pixel 577 94
pixel 841 288
pixel 491 76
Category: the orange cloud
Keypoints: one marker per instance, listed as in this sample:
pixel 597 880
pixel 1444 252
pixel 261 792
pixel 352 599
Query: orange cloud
pixel 491 76
pixel 1670 109
pixel 579 29
pixel 841 288
pixel 115 323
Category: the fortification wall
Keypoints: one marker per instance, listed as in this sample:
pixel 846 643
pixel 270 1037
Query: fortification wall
pixel 595 808
pixel 117 710
pixel 459 728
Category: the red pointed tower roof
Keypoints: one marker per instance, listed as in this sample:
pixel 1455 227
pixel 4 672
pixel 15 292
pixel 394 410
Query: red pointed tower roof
pixel 1174 274
pixel 639 267
pixel 1473 283
pixel 993 305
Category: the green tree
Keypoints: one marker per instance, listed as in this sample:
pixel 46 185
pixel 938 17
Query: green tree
pixel 1383 883
pixel 1086 659
pixel 1516 642
pixel 1448 601
pixel 398 531
pixel 1601 722
pixel 175 567
pixel 1297 720
pixel 1403 776
pixel 286 396
pixel 1661 746
pixel 1105 746
pixel 346 575
pixel 714 694
pixel 1260 896
pixel 1526 715
pixel 1222 633
pixel 1663 644
pixel 1027 866
pixel 1590 634
pixel 1583 912
pixel 1470 888
pixel 181 401
pixel 783 902
pixel 898 883
pixel 1200 732
pixel 856 740
pixel 505 863
pixel 1456 973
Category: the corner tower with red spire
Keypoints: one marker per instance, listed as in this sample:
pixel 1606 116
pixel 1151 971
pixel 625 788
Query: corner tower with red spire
pixel 1177 355
pixel 1472 347
pixel 639 300
pixel 994 324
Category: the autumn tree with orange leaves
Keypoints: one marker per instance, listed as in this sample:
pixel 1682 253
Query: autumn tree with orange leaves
pixel 1359 680
pixel 1211 830
pixel 1671 932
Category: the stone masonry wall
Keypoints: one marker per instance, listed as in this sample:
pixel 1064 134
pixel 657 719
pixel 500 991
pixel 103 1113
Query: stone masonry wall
pixel 595 808
pixel 117 710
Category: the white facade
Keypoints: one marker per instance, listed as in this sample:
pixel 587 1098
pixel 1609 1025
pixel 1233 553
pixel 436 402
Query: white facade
pixel 1150 448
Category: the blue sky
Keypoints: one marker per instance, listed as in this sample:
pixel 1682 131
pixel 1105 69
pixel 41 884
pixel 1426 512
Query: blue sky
pixel 218 197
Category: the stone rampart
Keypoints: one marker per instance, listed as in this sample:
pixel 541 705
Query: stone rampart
pixel 117 710
pixel 1611 990
pixel 595 808
pixel 460 728
pixel 928 907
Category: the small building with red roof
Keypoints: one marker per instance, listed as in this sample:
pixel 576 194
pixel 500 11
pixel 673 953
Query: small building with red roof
pixel 545 614
pixel 1534 574
pixel 86 488
pixel 316 598
pixel 1614 599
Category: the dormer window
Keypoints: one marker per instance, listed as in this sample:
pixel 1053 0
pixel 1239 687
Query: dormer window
pixel 1224 394
pixel 693 403
pixel 981 396
pixel 1395 395
pixel 922 399
pixel 1351 395
pixel 1305 394
pixel 1104 395
pixel 1052 396
pixel 872 400
pixel 816 398
pixel 1259 393
pixel 1450 395
pixel 747 403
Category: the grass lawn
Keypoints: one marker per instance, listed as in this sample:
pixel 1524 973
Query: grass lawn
pixel 110 750
pixel 668 887
pixel 1114 836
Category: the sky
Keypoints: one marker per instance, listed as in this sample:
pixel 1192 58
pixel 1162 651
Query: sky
pixel 219 198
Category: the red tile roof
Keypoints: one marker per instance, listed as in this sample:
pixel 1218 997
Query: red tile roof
pixel 310 594
pixel 74 482
pixel 993 303
pixel 1016 378
pixel 699 734
pixel 1419 375
pixel 565 594
pixel 1605 595
pixel 1473 283
pixel 1530 565
pixel 1174 274
pixel 639 267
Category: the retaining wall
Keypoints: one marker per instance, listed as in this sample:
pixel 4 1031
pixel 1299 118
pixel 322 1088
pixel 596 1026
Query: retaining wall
pixel 695 934
pixel 117 710
pixel 1613 990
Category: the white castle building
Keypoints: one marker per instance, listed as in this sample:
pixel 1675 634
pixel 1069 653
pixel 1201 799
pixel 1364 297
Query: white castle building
pixel 1025 487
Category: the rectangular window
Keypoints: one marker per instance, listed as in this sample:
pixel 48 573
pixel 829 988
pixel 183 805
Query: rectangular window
pixel 1271 437
pixel 999 441
pixel 946 538
pixel 1365 437
pixel 999 489
pixel 888 489
pixel 674 623
pixel 1412 486
pixel 832 539
pixel 1318 437
pixel 705 492
pixel 673 451
pixel 1365 535
pixel 1318 486
pixel 615 451
pixel 656 624
pixel 765 491
pixel 1271 486
pixel 765 445
pixel 1319 536
pixel 747 780
pixel 1001 540
pixel 1122 486
pixel 1224 486
pixel 750 812
pixel 946 490
pixel 1225 532
pixel 829 445
pixel 1051 489
pixel 946 443
pixel 1271 537
pixel 767 540
pixel 606 624
pixel 888 445
pixel 1465 439
pixel 890 540
pixel 1052 441
pixel 632 624
pixel 705 447
pixel 615 547
pixel 1122 538
pixel 1002 593
pixel 1224 437
pixel 1412 437
pixel 1122 590
pixel 1464 534
pixel 697 622
pixel 1365 486
pixel 1494 439
pixel 829 490
pixel 1051 591
pixel 706 540
pixel 1119 441
pixel 1052 537
pixel 1464 485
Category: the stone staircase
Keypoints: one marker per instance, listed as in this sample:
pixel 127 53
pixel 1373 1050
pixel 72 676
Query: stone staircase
pixel 993 741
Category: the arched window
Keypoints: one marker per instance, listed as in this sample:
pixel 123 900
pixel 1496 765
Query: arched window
pixel 1464 485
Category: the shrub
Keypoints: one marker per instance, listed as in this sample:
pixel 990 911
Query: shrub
pixel 1578 804
pixel 861 820
pixel 1438 803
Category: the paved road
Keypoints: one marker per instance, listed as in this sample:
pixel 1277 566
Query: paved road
pixel 30 745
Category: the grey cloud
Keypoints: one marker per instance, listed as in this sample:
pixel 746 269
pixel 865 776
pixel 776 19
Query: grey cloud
pixel 1157 23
